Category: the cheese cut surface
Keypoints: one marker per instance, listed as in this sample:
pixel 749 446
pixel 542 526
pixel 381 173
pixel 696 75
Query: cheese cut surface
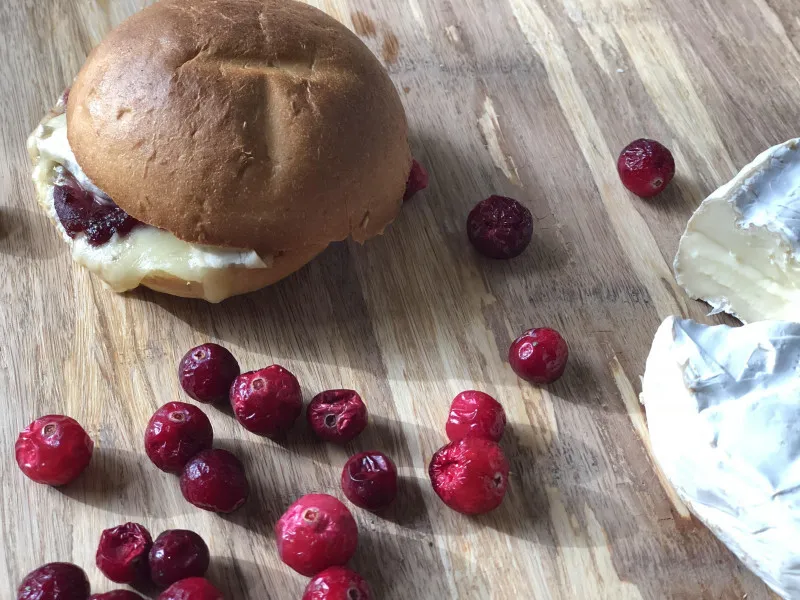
pixel 124 262
pixel 740 249
pixel 723 411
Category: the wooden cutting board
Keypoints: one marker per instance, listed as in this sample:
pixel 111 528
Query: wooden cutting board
pixel 527 98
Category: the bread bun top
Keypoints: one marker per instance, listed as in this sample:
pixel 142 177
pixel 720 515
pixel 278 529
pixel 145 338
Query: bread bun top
pixel 261 124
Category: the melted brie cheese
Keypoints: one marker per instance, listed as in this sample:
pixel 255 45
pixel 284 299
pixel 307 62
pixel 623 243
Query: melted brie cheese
pixel 125 261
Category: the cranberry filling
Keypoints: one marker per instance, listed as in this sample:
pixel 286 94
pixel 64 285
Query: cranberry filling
pixel 82 211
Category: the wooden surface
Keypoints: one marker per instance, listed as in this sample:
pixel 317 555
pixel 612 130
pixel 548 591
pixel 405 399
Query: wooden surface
pixel 529 98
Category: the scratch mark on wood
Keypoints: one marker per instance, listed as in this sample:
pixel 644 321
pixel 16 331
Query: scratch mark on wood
pixel 492 135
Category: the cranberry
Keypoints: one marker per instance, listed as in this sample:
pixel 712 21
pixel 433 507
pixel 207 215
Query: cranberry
pixel 337 583
pixel 176 432
pixel 117 595
pixel 475 414
pixel 646 167
pixel 55 581
pixel 337 415
pixel 369 480
pixel 53 450
pixel 178 554
pixel 267 402
pixel 500 227
pixel 82 211
pixel 470 475
pixel 315 533
pixel 417 180
pixel 207 372
pixel 122 553
pixel 62 100
pixel 194 588
pixel 215 480
pixel 539 355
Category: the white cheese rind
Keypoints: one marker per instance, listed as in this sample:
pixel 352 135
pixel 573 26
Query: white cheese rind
pixel 741 247
pixel 723 411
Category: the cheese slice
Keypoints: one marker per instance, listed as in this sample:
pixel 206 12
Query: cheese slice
pixel 723 411
pixel 125 261
pixel 741 247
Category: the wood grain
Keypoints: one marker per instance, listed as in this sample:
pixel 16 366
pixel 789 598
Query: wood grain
pixel 528 98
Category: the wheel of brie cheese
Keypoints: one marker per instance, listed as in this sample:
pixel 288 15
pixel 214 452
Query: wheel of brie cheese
pixel 723 410
pixel 740 249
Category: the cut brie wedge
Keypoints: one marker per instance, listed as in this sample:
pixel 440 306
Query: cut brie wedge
pixel 723 410
pixel 740 249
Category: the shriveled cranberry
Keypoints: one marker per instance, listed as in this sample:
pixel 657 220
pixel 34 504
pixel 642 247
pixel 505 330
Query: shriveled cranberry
pixel 268 401
pixel 369 480
pixel 646 167
pixel 337 415
pixel 500 227
pixel 338 583
pixel 315 533
pixel 82 211
pixel 417 180
pixel 176 432
pixel 122 553
pixel 207 372
pixel 475 414
pixel 215 480
pixel 470 476
pixel 117 595
pixel 194 588
pixel 54 450
pixel 55 581
pixel 539 355
pixel 178 554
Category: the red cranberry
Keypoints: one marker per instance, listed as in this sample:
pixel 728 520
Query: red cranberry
pixel 267 402
pixel 55 581
pixel 53 450
pixel 82 211
pixel 539 355
pixel 646 167
pixel 475 414
pixel 369 480
pixel 315 533
pixel 338 583
pixel 194 588
pixel 178 554
pixel 117 595
pixel 176 432
pixel 122 553
pixel 215 480
pixel 207 373
pixel 500 227
pixel 337 415
pixel 470 476
pixel 417 180
pixel 61 104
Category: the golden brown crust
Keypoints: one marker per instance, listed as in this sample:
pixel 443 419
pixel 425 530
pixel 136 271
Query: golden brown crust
pixel 260 124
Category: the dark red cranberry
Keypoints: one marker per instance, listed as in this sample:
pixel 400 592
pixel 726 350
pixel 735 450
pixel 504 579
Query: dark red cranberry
pixel 215 480
pixel 122 553
pixel 194 588
pixel 315 533
pixel 117 595
pixel 53 450
pixel 369 480
pixel 646 167
pixel 267 402
pixel 470 476
pixel 207 373
pixel 475 414
pixel 178 554
pixel 500 227
pixel 82 211
pixel 337 415
pixel 176 432
pixel 61 105
pixel 338 583
pixel 55 581
pixel 417 180
pixel 539 355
